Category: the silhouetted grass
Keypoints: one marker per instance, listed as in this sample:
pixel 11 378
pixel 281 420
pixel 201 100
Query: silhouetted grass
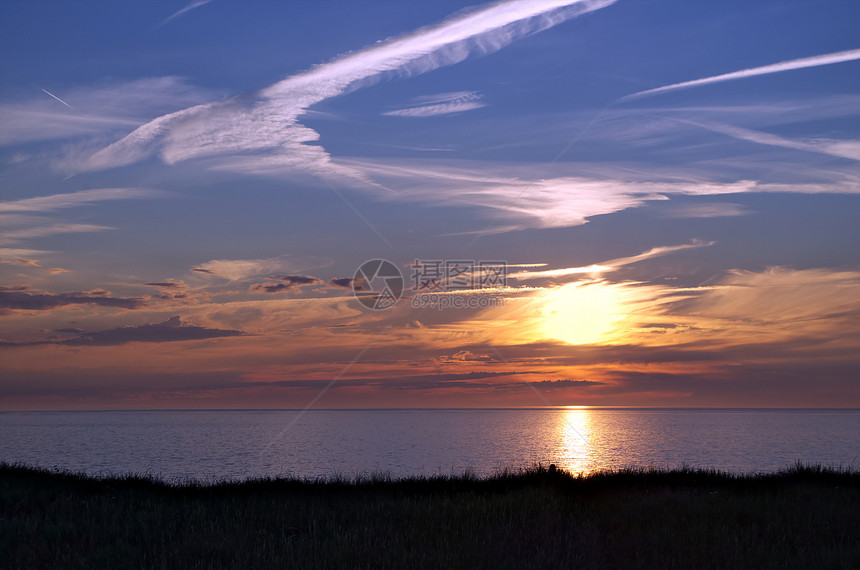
pixel 800 517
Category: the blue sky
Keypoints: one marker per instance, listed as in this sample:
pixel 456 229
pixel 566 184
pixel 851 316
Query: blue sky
pixel 263 140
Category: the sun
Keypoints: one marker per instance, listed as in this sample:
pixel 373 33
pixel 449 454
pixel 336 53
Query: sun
pixel 580 313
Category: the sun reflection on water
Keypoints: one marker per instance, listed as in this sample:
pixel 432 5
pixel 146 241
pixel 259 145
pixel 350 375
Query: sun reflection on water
pixel 576 429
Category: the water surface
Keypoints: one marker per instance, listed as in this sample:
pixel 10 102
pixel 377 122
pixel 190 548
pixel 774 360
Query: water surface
pixel 235 444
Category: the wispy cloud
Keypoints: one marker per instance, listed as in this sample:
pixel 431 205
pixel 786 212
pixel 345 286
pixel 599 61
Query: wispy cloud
pixel 14 255
pixel 103 109
pixel 19 226
pixel 610 265
pixel 522 202
pixel 268 123
pixel 441 104
pixel 542 195
pixel 814 61
pixel 656 252
pixel 28 123
pixel 839 148
pixel 241 269
pixel 72 199
pixel 47 229
pixel 776 304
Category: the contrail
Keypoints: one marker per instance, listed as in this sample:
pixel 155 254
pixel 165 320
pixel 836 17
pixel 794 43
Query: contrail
pixel 191 6
pixel 814 61
pixel 58 99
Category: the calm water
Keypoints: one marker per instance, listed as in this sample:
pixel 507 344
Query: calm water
pixel 210 445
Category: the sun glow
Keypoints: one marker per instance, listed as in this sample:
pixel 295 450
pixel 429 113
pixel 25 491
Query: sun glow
pixel 580 313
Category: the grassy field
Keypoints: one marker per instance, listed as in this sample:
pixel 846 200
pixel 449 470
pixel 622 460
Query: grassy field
pixel 803 517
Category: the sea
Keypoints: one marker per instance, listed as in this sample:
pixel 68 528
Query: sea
pixel 216 445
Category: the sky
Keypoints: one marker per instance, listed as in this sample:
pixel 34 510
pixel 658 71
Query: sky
pixel 588 203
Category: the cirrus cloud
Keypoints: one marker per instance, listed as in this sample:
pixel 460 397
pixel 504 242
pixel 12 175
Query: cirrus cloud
pixel 267 123
pixel 441 104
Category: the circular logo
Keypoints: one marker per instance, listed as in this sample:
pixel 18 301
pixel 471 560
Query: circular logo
pixel 377 284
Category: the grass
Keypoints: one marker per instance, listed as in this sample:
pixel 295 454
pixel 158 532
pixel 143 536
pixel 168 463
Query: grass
pixel 800 517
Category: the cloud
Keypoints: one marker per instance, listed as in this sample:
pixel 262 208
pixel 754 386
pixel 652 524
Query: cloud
pixel 422 382
pixel 345 282
pixel 784 302
pixel 441 104
pixel 471 381
pixel 567 383
pixel 287 282
pixel 241 269
pixel 517 197
pixel 656 252
pixel 465 356
pixel 72 199
pixel 814 61
pixel 22 124
pixel 756 312
pixel 268 287
pixel 772 384
pixel 13 236
pixel 18 226
pixel 298 280
pixel 104 109
pixel 171 330
pixel 20 256
pixel 46 301
pixel 610 265
pixel 101 384
pixel 641 126
pixel 173 291
pixel 752 310
pixel 267 123
pixel 520 202
pixel 839 148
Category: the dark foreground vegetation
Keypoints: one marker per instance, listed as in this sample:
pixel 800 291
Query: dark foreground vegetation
pixel 801 517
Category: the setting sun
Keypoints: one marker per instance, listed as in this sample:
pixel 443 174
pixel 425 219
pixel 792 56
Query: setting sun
pixel 579 313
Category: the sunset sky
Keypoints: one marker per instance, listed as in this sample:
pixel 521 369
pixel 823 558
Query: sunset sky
pixel 188 190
